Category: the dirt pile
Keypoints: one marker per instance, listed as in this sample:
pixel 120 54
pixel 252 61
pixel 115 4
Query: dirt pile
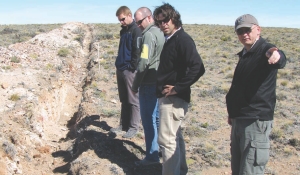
pixel 50 108
pixel 41 89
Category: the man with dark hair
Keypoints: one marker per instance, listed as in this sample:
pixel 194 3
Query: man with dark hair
pixel 145 81
pixel 251 98
pixel 126 64
pixel 180 67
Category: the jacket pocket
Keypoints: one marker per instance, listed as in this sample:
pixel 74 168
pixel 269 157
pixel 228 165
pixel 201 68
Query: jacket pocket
pixel 259 153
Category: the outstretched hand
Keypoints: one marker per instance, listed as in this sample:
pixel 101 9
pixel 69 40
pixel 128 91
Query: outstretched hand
pixel 273 55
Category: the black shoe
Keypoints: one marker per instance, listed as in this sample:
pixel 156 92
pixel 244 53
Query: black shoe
pixel 130 133
pixel 117 129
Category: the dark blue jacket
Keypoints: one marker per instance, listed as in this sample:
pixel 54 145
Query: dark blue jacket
pixel 252 93
pixel 129 47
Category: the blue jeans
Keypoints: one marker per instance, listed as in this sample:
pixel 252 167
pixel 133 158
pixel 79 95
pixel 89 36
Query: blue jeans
pixel 150 119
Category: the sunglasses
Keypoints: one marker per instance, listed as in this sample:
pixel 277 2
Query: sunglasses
pixel 122 19
pixel 139 22
pixel 244 30
pixel 166 20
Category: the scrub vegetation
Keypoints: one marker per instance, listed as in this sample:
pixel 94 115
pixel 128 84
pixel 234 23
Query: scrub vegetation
pixel 205 127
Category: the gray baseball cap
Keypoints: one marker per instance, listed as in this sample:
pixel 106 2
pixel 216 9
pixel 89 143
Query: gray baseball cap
pixel 246 20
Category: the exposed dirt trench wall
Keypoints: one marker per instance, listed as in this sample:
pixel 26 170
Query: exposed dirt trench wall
pixel 49 88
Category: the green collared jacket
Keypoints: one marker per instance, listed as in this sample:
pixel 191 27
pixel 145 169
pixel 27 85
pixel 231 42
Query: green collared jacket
pixel 152 43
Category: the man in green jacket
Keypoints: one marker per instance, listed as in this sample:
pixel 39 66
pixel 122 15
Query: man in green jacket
pixel 145 82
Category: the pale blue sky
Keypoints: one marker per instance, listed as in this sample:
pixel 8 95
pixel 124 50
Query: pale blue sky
pixel 269 13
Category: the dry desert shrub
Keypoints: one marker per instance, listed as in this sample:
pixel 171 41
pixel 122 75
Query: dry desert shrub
pixel 11 34
pixel 63 52
pixel 207 114
pixel 14 97
pixel 15 59
pixel 80 35
pixel 9 149
pixel 79 167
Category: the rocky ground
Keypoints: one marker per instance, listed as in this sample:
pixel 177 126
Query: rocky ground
pixel 59 100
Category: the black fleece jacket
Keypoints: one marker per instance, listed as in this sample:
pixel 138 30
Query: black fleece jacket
pixel 252 94
pixel 180 65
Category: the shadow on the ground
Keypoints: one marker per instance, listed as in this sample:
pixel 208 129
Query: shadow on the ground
pixel 106 146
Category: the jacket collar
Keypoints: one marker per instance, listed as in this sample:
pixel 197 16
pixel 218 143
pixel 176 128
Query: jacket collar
pixel 175 33
pixel 129 26
pixel 148 28
pixel 256 45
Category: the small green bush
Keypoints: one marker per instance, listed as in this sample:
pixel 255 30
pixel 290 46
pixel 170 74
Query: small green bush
pixel 105 36
pixel 49 66
pixel 204 125
pixel 209 147
pixel 286 125
pixel 281 96
pixel 79 39
pixel 109 112
pixel 42 30
pixel 190 161
pixel 34 55
pixel 225 38
pixel 229 76
pixel 63 52
pixel 6 67
pixel 14 97
pixel 296 86
pixel 284 83
pixel 15 59
pixel 194 131
pixel 276 134
pixel 214 92
pixel 78 30
pixel 100 94
pixel 287 151
pixel 111 52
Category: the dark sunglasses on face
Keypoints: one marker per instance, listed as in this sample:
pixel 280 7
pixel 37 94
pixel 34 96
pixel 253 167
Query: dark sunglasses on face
pixel 166 20
pixel 242 31
pixel 122 19
pixel 139 22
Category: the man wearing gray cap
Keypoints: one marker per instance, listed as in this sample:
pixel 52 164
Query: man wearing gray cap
pixel 251 98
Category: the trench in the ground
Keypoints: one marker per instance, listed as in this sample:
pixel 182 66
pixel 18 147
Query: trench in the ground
pixel 72 123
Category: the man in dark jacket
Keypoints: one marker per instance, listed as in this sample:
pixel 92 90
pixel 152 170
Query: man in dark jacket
pixel 251 98
pixel 126 64
pixel 180 67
